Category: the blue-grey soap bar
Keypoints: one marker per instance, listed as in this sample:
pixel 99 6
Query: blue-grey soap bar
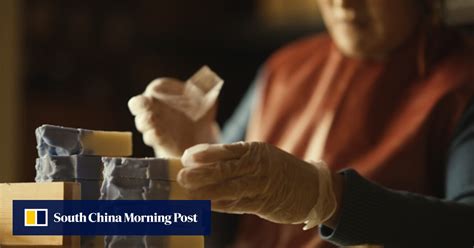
pixel 65 141
pixel 141 179
pixel 144 179
pixel 86 170
pixel 141 168
pixel 66 168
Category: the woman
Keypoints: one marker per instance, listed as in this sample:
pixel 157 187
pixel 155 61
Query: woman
pixel 387 93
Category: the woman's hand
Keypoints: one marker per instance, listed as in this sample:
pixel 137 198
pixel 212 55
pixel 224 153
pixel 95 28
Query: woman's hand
pixel 260 179
pixel 166 129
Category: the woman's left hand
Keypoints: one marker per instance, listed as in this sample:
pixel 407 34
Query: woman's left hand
pixel 258 178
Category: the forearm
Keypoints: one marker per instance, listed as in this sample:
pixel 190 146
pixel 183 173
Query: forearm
pixel 372 214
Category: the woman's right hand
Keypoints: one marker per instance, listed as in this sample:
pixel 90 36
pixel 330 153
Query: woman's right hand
pixel 166 129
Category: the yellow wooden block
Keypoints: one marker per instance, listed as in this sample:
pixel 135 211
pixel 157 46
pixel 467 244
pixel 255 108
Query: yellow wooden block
pixel 34 191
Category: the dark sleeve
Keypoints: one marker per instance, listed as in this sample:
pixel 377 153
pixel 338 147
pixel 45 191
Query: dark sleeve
pixel 372 214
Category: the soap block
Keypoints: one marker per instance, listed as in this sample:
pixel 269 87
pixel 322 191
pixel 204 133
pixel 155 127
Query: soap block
pixel 203 89
pixel 143 168
pixel 141 179
pixel 34 191
pixel 200 93
pixel 86 170
pixel 66 168
pixel 155 241
pixel 145 179
pixel 65 141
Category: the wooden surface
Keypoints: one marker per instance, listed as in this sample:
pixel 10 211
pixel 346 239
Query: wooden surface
pixel 34 191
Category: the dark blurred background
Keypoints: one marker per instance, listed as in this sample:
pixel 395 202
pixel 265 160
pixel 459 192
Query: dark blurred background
pixel 76 63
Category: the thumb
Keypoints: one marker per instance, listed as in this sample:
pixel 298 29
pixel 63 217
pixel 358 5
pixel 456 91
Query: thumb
pixel 139 104
pixel 205 153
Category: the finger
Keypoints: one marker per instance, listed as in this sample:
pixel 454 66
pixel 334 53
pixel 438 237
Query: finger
pixel 139 104
pixel 206 153
pixel 214 193
pixel 235 189
pixel 241 206
pixel 145 121
pixel 170 86
pixel 151 137
pixel 199 176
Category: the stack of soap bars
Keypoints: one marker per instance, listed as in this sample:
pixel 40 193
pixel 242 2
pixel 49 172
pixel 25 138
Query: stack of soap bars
pixel 97 160
pixel 68 154
pixel 75 155
pixel 144 179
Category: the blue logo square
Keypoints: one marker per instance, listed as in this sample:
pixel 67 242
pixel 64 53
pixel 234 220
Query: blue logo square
pixel 41 217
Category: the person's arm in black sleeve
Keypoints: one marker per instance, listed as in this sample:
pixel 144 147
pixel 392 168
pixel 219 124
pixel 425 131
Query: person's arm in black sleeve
pixel 372 214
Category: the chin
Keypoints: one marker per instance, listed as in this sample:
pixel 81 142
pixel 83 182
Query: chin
pixel 353 50
pixel 354 42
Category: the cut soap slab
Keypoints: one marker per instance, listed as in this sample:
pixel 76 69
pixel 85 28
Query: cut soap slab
pixel 65 141
pixel 141 179
pixel 65 168
pixel 87 170
pixel 145 179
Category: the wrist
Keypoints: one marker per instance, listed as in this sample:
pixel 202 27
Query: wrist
pixel 327 203
pixel 338 188
pixel 209 133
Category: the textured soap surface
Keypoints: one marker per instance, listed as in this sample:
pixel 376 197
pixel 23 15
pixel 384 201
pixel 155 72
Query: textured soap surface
pixel 69 167
pixel 86 170
pixel 65 141
pixel 141 179
pixel 154 241
pixel 144 179
pixel 142 168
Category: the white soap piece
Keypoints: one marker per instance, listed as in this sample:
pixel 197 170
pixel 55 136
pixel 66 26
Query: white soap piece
pixel 199 95
pixel 65 141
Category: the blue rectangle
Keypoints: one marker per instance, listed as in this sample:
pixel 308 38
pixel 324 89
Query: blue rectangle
pixel 40 217
pixel 118 217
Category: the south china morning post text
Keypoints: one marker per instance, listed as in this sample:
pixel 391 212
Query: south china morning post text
pixel 112 217
pixel 97 217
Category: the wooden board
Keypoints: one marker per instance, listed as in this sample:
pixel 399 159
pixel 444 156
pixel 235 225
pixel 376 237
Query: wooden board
pixel 34 191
